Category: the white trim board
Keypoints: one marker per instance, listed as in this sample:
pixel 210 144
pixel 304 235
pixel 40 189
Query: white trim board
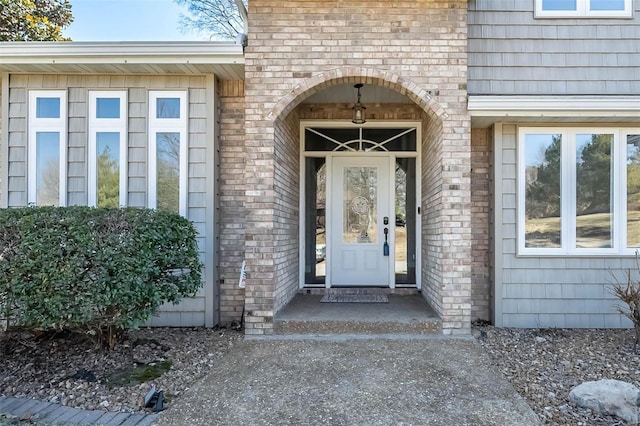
pixel 99 125
pixel 169 125
pixel 567 180
pixel 121 52
pixel 550 106
pixel 45 125
pixel 330 155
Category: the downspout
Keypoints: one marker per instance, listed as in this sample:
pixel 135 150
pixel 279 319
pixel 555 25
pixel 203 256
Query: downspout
pixel 242 37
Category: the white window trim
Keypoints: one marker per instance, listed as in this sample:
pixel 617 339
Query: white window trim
pixel 568 192
pixel 583 11
pixel 97 125
pixel 37 125
pixel 329 155
pixel 160 125
pixel 622 159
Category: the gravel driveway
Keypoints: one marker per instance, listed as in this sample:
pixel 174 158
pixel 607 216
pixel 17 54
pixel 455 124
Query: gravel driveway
pixel 434 381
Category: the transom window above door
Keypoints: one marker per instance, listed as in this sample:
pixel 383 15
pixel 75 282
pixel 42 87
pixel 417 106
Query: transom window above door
pixel 360 139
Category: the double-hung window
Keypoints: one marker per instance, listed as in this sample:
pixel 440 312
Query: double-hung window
pixel 168 151
pixel 107 151
pixel 47 148
pixel 579 191
pixel 584 8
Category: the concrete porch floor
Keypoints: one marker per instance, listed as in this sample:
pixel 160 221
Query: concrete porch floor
pixel 404 314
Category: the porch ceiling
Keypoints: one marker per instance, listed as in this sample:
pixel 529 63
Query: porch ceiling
pixel 346 94
pixel 222 59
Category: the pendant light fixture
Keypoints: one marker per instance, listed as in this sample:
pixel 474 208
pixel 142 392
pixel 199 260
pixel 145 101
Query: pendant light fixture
pixel 358 108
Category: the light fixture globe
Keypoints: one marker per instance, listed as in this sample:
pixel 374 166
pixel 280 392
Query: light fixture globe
pixel 358 108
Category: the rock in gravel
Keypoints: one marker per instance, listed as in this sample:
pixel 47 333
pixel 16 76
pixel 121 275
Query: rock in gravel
pixel 608 397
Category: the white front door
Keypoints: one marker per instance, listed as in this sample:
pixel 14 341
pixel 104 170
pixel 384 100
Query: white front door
pixel 360 202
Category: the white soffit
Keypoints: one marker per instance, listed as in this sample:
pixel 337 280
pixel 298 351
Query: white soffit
pixel 118 57
pixel 553 106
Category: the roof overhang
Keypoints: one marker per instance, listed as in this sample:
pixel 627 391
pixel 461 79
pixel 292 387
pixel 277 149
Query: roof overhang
pixel 223 59
pixel 486 110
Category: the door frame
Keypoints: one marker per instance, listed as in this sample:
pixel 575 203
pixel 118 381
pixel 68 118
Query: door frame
pixel 329 155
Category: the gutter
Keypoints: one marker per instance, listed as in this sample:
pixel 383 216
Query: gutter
pixel 242 10
pixel 19 53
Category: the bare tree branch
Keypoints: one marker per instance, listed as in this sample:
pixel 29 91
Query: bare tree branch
pixel 218 18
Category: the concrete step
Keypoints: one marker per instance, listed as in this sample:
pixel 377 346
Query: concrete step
pixel 402 315
pixel 408 291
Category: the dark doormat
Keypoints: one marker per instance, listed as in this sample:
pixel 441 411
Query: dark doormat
pixel 354 298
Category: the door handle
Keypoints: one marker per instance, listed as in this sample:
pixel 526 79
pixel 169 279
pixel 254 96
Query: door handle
pixel 385 247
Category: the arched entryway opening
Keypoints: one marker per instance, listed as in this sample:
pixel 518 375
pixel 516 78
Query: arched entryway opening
pixel 441 268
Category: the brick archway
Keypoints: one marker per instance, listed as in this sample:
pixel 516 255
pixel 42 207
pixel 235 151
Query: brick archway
pixel 352 75
pixel 272 197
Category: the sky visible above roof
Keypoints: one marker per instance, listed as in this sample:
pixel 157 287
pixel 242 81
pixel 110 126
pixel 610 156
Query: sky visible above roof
pixel 128 20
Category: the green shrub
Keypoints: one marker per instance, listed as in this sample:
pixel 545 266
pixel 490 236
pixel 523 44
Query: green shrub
pixel 93 270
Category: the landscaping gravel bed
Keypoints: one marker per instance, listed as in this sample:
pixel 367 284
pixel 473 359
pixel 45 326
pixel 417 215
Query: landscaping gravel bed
pixel 544 365
pixel 67 369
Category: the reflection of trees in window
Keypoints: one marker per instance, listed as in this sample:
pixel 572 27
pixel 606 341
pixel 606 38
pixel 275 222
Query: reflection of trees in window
pixel 593 176
pixel 542 202
pixel 633 191
pixel 321 191
pixel 593 191
pixel 543 183
pixel 168 171
pixel 168 108
pixel 49 183
pixel 401 192
pixel 108 179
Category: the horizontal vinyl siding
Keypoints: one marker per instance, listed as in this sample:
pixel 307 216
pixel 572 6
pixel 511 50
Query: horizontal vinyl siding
pixel 560 291
pixel 191 311
pixel 511 53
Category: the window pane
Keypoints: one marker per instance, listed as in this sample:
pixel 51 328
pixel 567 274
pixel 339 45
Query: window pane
pixel 405 221
pixel 108 108
pixel 315 197
pixel 633 191
pixel 593 190
pixel 559 5
pixel 108 168
pixel 48 108
pixel 606 5
pixel 168 173
pixel 360 207
pixel 168 108
pixel 47 168
pixel 542 190
pixel 329 139
pixel 390 139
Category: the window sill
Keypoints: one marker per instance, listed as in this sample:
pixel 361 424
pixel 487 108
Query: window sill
pixel 586 254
